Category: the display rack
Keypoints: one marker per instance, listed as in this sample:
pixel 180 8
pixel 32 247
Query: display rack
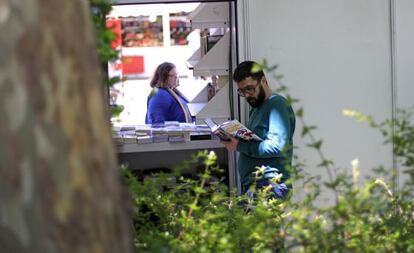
pixel 212 58
pixel 214 62
pixel 210 15
pixel 218 107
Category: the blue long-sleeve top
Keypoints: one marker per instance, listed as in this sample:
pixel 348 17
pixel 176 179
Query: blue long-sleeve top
pixel 273 121
pixel 162 106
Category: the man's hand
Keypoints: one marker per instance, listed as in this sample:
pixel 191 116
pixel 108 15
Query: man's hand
pixel 231 145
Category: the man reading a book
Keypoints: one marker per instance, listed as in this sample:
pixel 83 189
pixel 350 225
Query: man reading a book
pixel 272 119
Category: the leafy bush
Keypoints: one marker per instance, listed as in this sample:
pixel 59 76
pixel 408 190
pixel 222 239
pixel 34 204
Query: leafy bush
pixel 201 215
pixel 177 214
pixel 104 35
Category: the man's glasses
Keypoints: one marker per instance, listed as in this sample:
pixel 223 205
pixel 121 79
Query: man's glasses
pixel 248 90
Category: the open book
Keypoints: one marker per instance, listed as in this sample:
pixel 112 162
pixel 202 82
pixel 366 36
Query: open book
pixel 231 128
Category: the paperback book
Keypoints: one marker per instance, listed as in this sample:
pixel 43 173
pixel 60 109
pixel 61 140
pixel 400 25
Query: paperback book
pixel 232 128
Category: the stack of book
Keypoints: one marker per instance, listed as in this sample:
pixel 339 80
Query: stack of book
pixel 159 135
pixel 128 134
pixel 202 132
pixel 123 134
pixel 174 131
pixel 144 134
pixel 117 136
pixel 170 131
pixel 129 138
pixel 175 135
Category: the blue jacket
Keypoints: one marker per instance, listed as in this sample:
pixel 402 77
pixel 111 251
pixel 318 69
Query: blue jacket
pixel 162 106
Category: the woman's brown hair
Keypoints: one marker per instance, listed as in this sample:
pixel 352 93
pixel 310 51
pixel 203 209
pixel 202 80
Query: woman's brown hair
pixel 161 75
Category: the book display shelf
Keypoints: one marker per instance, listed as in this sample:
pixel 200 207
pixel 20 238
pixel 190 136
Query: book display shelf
pixel 145 149
pixel 212 58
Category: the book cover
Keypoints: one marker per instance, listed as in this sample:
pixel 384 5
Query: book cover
pixel 212 40
pixel 231 128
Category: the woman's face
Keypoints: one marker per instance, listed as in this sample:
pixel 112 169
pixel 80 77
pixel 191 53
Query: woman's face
pixel 172 81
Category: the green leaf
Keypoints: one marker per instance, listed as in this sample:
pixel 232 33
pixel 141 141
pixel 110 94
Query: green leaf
pixel 116 110
pixel 325 163
pixel 299 112
pixel 256 68
pixel 316 144
pixel 113 80
pixel 307 129
pixel 291 100
pixel 194 207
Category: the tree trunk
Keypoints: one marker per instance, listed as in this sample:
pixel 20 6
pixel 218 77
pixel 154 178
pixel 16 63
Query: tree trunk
pixel 60 190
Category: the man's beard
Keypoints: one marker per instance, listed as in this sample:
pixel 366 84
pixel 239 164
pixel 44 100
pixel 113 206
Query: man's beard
pixel 256 102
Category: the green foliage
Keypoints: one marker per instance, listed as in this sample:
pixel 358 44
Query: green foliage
pixel 116 110
pixel 201 215
pixel 177 214
pixel 100 9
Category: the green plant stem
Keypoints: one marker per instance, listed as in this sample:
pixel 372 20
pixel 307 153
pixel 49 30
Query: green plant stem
pixel 197 197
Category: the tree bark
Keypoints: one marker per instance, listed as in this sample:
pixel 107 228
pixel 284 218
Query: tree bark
pixel 60 189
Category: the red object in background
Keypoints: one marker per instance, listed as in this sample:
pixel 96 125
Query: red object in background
pixel 115 26
pixel 132 64
pixel 129 64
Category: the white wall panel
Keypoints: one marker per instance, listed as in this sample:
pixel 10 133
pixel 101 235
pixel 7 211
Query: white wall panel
pixel 405 52
pixel 404 57
pixel 334 54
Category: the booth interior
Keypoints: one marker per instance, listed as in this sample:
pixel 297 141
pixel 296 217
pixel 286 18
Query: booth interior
pixel 195 37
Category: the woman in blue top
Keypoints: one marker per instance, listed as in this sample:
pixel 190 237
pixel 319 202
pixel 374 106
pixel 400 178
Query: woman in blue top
pixel 165 102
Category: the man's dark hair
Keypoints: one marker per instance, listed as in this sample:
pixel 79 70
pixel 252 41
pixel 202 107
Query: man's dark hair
pixel 244 70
